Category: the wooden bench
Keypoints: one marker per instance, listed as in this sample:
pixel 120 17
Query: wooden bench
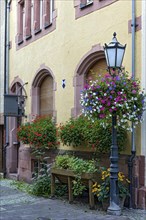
pixel 66 176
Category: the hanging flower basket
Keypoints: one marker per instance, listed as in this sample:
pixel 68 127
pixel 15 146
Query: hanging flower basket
pixel 115 93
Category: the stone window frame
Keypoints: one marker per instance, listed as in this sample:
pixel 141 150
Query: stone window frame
pixel 40 75
pixel 32 32
pixel 89 59
pixel 84 7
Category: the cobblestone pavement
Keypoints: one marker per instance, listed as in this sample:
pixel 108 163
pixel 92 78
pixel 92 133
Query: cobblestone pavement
pixel 16 205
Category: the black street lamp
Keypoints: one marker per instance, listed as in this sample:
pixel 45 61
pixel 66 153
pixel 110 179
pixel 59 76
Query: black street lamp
pixel 114 53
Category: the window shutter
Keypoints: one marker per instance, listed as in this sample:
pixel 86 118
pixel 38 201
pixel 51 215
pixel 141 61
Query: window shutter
pixel 20 11
pixel 27 19
pixel 47 13
pixel 36 16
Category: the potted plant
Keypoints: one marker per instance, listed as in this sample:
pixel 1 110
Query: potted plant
pixel 39 134
pixel 102 189
pixel 115 93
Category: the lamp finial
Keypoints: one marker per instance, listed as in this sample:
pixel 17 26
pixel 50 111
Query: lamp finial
pixel 114 34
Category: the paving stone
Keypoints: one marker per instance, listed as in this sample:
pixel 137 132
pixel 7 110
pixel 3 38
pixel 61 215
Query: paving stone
pixel 16 205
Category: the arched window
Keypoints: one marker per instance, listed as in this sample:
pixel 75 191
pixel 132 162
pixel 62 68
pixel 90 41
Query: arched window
pixel 97 70
pixel 46 96
pixel 90 66
pixel 43 93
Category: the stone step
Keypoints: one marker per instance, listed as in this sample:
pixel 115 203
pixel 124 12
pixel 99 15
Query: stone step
pixel 13 176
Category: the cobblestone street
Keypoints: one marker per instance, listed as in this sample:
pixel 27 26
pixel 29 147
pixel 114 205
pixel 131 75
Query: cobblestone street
pixel 16 205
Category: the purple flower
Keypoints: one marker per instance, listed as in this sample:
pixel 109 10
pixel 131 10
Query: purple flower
pixel 103 101
pixel 86 86
pixel 134 84
pixel 108 103
pixel 101 115
pixel 117 78
pixel 102 109
pixel 134 91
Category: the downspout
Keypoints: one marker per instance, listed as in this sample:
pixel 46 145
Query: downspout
pixel 133 147
pixel 6 82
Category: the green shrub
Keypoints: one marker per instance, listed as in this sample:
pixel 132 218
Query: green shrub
pixel 83 132
pixel 41 184
pixel 71 133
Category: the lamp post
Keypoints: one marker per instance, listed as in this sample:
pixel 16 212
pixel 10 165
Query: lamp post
pixel 114 53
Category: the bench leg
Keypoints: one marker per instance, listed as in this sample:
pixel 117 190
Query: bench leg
pixel 70 194
pixel 91 195
pixel 52 185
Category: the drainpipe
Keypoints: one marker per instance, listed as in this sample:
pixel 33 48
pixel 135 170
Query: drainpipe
pixel 6 82
pixel 133 147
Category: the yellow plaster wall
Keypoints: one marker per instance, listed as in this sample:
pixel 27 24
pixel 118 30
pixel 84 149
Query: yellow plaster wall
pixel 62 49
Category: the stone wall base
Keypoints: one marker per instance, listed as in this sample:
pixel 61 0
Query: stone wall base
pixel 142 198
pixel 24 165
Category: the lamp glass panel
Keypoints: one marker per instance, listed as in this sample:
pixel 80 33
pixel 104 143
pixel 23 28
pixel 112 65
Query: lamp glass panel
pixel 120 54
pixel 106 56
pixel 111 56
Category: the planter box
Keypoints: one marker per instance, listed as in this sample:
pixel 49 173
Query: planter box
pixel 66 176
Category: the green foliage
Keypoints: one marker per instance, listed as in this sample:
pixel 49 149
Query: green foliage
pixel 41 184
pixel 21 185
pixel 83 132
pixel 78 187
pixel 78 166
pixel 40 135
pixel 75 164
pixel 71 133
